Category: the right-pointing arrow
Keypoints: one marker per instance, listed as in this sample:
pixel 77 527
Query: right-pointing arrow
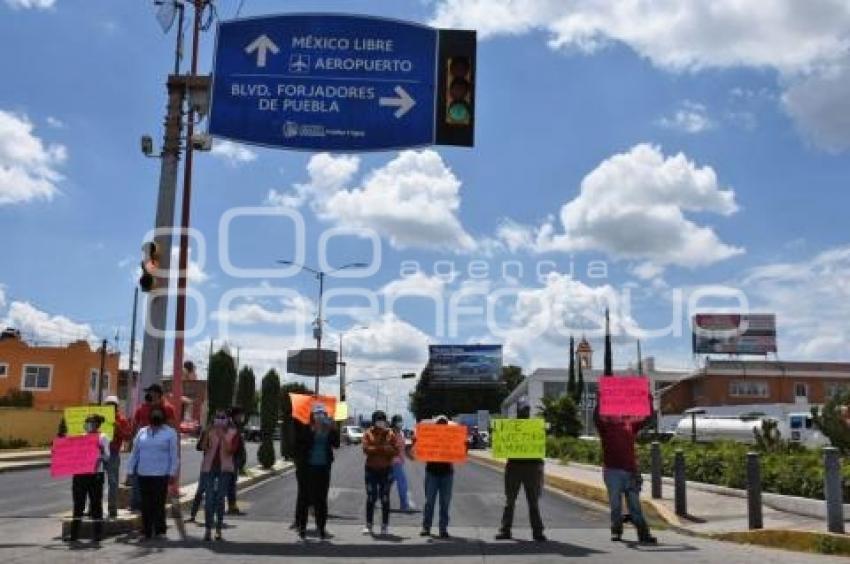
pixel 404 102
pixel 262 45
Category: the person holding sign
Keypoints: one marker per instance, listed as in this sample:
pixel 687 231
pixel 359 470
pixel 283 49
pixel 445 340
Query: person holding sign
pixel 314 446
pixel 380 447
pixel 90 485
pixel 620 470
pixel 525 472
pixel 439 478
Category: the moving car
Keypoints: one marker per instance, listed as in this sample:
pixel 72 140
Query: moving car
pixel 352 435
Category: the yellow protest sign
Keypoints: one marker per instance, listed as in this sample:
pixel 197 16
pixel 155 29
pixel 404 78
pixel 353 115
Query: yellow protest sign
pixel 519 438
pixel 75 418
pixel 341 411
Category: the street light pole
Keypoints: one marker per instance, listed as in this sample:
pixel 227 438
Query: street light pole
pixel 321 276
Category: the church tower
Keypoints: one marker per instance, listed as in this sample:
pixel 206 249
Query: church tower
pixel 585 355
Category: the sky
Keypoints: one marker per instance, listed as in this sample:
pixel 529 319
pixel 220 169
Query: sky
pixel 656 159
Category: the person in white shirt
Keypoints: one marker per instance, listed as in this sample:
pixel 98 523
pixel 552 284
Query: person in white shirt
pixel 90 485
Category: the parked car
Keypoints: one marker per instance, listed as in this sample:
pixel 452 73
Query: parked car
pixel 251 432
pixel 352 435
pixel 190 428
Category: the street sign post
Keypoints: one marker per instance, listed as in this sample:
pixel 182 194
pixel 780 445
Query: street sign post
pixel 332 82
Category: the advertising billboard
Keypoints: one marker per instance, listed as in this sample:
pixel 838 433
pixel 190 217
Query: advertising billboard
pixel 734 333
pixel 465 364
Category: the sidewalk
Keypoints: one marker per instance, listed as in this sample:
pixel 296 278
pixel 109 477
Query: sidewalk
pixel 710 514
pixel 23 459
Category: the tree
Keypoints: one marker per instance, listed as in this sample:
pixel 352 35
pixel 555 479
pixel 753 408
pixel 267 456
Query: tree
pixel 246 391
pixel 579 386
pixel 571 380
pixel 512 376
pixel 561 415
pixel 220 382
pixel 833 421
pixel 269 413
pixel 608 369
pixel 287 435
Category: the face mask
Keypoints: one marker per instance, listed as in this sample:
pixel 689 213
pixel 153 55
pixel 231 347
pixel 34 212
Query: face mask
pixel 157 419
pixel 90 427
pixel 381 424
pixel 148 397
pixel 220 422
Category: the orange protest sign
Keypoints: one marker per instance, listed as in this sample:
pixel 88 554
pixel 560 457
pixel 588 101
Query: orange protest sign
pixel 302 404
pixel 440 443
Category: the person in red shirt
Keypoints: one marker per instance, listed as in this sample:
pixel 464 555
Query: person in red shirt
pixel 121 432
pixel 620 470
pixel 141 419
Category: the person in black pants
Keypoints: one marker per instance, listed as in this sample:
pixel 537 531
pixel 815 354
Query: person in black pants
pixel 90 486
pixel 314 446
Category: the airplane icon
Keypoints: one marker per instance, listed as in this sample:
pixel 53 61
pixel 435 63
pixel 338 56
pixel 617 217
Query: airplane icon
pixel 299 64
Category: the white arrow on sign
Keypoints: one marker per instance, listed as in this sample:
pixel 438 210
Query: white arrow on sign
pixel 404 102
pixel 262 45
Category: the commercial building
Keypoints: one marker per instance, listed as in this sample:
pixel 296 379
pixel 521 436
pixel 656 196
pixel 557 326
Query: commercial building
pixel 552 382
pixel 58 377
pixel 737 386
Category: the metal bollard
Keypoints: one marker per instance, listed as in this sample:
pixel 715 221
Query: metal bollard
pixel 681 500
pixel 754 515
pixel 655 464
pixel 832 491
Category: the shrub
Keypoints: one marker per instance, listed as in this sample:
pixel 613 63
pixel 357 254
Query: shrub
pixel 269 411
pixel 13 443
pixel 16 398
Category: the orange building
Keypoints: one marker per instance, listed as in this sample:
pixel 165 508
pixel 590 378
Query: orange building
pixel 58 377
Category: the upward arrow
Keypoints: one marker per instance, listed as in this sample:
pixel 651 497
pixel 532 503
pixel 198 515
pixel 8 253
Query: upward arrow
pixel 262 45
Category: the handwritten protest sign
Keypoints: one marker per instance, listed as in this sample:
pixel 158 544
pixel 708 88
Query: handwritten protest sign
pixel 519 438
pixel 302 404
pixel 75 418
pixel 74 455
pixel 440 443
pixel 341 411
pixel 624 395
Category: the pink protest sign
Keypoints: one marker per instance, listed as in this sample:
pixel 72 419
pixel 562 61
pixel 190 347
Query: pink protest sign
pixel 624 395
pixel 74 455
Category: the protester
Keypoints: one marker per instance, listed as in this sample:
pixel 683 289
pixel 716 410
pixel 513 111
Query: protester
pixel 218 442
pixel 240 459
pixel 155 460
pixel 527 473
pixel 121 431
pixel 90 486
pixel 314 446
pixel 141 418
pixel 380 447
pixel 439 477
pixel 398 475
pixel 620 471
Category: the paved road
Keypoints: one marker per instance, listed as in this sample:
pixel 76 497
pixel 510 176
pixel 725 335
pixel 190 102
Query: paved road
pixel 32 493
pixel 574 530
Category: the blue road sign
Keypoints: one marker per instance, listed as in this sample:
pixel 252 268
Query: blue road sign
pixel 325 82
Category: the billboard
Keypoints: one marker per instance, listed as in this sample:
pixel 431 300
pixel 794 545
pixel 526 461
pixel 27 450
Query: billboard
pixel 305 362
pixel 734 333
pixel 465 364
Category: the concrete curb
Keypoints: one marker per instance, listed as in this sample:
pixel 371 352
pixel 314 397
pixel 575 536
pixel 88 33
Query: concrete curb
pixel 24 465
pixel 128 522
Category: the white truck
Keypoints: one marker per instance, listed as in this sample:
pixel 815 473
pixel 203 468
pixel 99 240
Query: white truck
pixel 796 427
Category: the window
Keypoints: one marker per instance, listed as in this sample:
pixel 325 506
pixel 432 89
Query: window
pixel 4 369
pixel 93 374
pixel 36 377
pixel 748 388
pixel 801 390
pixel 833 390
pixel 554 389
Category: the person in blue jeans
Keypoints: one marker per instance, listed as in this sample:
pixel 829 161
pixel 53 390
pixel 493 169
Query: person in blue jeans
pixel 439 478
pixel 399 477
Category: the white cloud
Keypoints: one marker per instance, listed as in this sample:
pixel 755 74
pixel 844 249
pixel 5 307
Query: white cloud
pixel 26 4
pixel 2 296
pixel 674 34
pixel 413 201
pixel 808 43
pixel 55 122
pixel 196 275
pixel 690 117
pixel 820 105
pixel 27 166
pixel 633 206
pixel 37 325
pixel 417 284
pixel 232 153
pixel 298 310
pixel 811 299
pixel 387 339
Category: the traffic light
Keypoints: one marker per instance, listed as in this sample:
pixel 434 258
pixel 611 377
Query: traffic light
pixel 150 265
pixel 456 88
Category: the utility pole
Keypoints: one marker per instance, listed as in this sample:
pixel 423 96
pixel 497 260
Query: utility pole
pixel 321 276
pixel 102 370
pixel 133 396
pixel 341 364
